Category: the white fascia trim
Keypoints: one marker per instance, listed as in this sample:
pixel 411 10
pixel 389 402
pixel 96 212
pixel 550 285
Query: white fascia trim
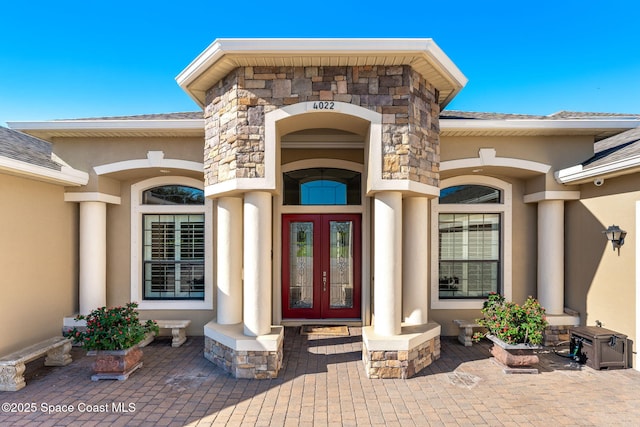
pixel 578 173
pixel 92 196
pixel 70 125
pixel 551 195
pixel 487 157
pixel 471 124
pixel 149 163
pixel 66 176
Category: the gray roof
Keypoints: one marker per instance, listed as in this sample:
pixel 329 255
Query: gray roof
pixel 189 115
pixel 618 147
pixel 561 115
pixel 26 148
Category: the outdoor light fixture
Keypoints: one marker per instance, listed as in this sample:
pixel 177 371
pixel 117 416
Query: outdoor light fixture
pixel 616 236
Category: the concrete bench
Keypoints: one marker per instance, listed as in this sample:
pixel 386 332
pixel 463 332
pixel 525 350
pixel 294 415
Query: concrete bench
pixel 12 366
pixel 178 331
pixel 466 331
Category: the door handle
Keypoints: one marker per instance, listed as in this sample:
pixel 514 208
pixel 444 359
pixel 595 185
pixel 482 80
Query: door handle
pixel 324 281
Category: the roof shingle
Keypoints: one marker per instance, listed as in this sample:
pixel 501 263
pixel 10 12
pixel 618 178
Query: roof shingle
pixel 26 148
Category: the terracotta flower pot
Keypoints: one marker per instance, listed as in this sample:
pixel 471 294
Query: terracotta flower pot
pixel 115 364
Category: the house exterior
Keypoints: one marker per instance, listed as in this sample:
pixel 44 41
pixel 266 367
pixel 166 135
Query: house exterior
pixel 324 182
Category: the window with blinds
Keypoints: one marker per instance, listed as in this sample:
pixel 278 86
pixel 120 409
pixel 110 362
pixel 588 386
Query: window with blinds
pixel 173 256
pixel 469 247
pixel 469 241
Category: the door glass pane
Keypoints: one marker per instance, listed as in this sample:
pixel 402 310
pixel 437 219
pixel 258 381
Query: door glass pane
pixel 341 264
pixel 301 265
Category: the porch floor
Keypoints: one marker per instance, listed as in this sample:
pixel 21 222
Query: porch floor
pixel 323 383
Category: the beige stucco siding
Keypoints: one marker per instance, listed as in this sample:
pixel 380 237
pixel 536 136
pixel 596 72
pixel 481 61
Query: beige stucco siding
pixel 556 151
pixel 600 284
pixel 86 153
pixel 39 268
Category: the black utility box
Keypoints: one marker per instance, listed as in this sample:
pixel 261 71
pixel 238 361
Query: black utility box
pixel 599 348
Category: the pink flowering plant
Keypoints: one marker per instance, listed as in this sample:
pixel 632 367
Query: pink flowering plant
pixel 115 328
pixel 512 323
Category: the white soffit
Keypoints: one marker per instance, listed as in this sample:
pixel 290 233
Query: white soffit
pixel 224 55
pixel 535 127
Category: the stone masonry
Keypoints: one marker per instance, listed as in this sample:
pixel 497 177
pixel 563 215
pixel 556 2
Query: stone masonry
pixel 244 364
pixel 401 364
pixel 236 106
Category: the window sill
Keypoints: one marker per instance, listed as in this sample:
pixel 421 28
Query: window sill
pixel 174 305
pixel 457 304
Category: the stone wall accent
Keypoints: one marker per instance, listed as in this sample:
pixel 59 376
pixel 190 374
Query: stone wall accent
pixel 257 365
pixel 556 334
pixel 400 364
pixel 236 105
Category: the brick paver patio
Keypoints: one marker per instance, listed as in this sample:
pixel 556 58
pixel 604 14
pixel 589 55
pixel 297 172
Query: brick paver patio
pixel 323 383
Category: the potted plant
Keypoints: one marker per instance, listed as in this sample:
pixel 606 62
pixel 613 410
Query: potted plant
pixel 113 335
pixel 515 330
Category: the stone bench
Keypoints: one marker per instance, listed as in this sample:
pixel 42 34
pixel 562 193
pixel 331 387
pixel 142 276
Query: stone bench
pixel 178 331
pixel 466 331
pixel 12 366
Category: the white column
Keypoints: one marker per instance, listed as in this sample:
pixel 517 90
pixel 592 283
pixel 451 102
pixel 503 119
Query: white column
pixel 257 263
pixel 388 263
pixel 415 260
pixel 93 256
pixel 229 255
pixel 551 255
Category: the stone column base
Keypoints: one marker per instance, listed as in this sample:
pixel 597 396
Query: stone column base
pixel 400 356
pixel 242 356
pixel 558 329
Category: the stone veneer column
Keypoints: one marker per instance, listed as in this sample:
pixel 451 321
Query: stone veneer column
pixel 229 254
pixel 551 255
pixel 93 256
pixel 388 263
pixel 257 263
pixel 415 254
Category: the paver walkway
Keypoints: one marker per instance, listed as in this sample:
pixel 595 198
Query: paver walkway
pixel 323 383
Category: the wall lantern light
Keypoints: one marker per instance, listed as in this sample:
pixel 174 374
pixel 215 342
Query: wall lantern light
pixel 616 236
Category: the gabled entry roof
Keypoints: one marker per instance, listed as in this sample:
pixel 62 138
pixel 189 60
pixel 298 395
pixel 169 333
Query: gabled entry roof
pixel 224 55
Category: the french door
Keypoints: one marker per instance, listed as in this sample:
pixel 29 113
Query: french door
pixel 321 256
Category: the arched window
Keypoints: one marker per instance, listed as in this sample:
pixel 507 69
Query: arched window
pixel 322 186
pixel 173 195
pixel 469 194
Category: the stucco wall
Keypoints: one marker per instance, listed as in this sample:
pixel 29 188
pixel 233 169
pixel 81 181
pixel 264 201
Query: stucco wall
pixel 38 262
pixel 600 284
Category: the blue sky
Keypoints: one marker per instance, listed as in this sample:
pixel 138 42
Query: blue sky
pixel 86 58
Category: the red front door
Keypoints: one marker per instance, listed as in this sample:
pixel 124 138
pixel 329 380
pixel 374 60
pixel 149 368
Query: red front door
pixel 321 266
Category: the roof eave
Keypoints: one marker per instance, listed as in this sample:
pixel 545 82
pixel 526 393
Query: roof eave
pixel 258 48
pixel 48 129
pixel 578 174
pixel 533 124
pixel 66 176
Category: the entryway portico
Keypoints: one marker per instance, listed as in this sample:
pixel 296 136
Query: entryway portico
pixel 371 109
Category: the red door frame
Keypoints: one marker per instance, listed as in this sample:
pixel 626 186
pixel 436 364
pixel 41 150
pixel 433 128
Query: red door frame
pixel 321 299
